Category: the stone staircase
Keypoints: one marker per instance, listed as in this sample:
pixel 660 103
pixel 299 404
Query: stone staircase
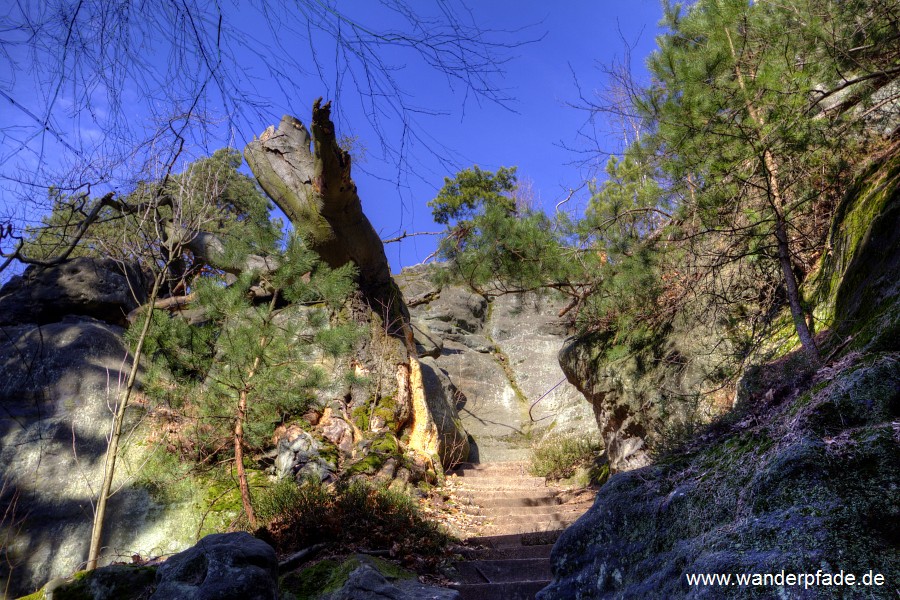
pixel 518 518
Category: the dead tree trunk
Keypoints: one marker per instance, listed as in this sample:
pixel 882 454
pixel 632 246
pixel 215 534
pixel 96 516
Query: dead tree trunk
pixel 312 185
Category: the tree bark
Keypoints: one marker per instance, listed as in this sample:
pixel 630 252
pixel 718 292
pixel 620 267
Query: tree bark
pixel 313 186
pixel 113 448
pixel 239 458
pixel 784 259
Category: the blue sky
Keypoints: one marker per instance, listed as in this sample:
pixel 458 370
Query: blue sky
pixel 538 79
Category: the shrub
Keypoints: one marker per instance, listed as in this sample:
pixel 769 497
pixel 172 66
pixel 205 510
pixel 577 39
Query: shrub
pixel 559 457
pixel 357 515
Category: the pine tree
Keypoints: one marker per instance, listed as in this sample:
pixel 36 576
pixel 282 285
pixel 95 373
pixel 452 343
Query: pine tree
pixel 728 112
pixel 271 357
pixel 497 246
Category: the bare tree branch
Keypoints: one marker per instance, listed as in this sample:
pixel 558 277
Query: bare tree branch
pixel 405 235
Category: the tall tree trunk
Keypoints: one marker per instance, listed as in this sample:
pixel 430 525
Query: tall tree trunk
pixel 239 457
pixel 239 419
pixel 784 258
pixel 112 448
pixel 776 201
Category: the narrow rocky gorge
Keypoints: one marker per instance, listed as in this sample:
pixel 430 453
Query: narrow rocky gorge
pixel 794 465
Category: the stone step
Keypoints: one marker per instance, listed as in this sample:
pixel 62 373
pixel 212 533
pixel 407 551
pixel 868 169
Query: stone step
pixel 488 479
pixel 514 466
pixel 529 521
pixel 519 519
pixel 507 502
pixel 500 591
pixel 518 484
pixel 507 552
pixel 472 473
pixel 516 540
pixel 540 509
pixel 494 529
pixel 534 497
pixel 503 570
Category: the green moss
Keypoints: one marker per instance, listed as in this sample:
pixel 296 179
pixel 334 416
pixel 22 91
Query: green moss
pixel 617 352
pixel 386 444
pixel 859 241
pixel 123 582
pixel 321 578
pixel 329 452
pixel 360 416
pixel 367 465
pixel 330 575
pixel 879 332
pixel 801 402
pixel 381 448
pixel 218 499
pixel 389 569
pixel 386 409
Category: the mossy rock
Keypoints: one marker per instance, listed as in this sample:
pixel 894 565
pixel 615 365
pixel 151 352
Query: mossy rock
pixel 113 582
pixel 812 482
pixel 367 465
pixel 386 443
pixel 328 452
pixel 360 416
pixel 379 450
pixel 387 411
pixel 331 575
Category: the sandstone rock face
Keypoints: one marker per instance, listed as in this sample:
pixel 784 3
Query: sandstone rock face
pixel 500 357
pixel 439 424
pixel 222 566
pixel 100 288
pixel 59 384
pixel 789 487
pixel 530 334
pixel 639 397
pixel 616 403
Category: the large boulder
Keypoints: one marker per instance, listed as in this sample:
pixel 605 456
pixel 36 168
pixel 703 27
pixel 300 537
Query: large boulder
pixel 500 358
pixel 643 397
pixel 101 288
pixel 60 384
pixel 222 566
pixel 617 398
pixel 359 577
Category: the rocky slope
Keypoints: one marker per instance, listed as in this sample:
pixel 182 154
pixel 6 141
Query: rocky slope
pixel 803 476
pixel 62 360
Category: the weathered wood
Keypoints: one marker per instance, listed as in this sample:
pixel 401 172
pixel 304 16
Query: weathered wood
pixel 313 186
